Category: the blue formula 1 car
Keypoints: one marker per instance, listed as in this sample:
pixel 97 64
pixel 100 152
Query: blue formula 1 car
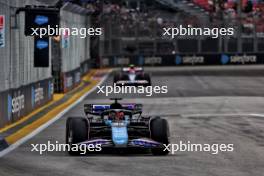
pixel 118 126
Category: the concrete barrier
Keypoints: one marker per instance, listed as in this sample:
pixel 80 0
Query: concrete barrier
pixel 16 103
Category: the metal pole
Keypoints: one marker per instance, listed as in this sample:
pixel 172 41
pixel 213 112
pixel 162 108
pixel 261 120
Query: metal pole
pixel 255 37
pixel 239 15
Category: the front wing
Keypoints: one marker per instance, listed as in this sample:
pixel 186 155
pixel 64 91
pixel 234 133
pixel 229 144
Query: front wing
pixel 135 143
pixel 131 83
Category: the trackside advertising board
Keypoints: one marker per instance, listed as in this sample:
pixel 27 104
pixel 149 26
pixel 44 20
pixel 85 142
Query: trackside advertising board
pixel 16 103
pixel 2 31
pixel 186 59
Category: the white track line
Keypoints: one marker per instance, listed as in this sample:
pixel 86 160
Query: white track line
pixel 211 115
pixel 257 115
pixel 45 125
pixel 224 115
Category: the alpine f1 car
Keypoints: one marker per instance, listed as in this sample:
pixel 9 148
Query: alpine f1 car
pixel 118 126
pixel 132 75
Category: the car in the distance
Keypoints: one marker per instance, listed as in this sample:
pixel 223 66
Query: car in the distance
pixel 132 76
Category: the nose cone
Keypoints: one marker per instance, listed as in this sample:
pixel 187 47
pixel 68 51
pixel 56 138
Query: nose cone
pixel 132 77
pixel 119 135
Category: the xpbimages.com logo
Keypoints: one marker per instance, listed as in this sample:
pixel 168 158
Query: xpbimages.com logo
pixel 58 147
pixel 148 90
pixel 192 147
pixel 59 31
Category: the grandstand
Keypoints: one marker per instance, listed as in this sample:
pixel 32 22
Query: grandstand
pixel 133 31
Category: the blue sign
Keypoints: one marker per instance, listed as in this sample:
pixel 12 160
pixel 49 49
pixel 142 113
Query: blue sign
pixel 40 19
pixel 141 60
pixel 224 59
pixel 115 61
pixel 178 60
pixel 32 97
pixel 9 106
pixel 41 44
pixel 50 90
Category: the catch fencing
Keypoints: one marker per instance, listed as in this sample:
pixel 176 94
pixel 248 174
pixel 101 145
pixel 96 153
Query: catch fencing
pixel 74 52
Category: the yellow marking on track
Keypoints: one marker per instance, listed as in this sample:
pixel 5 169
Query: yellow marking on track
pixel 34 125
pixel 56 97
pixel 23 119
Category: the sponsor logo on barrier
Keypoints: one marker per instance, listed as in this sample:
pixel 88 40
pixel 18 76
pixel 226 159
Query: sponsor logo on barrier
pixel 189 60
pixel 243 59
pixel 50 89
pixel 153 60
pixel 69 82
pixel 77 77
pixel 37 95
pixel 22 101
pixel 193 60
pixel 105 62
pixel 16 103
pixel 123 61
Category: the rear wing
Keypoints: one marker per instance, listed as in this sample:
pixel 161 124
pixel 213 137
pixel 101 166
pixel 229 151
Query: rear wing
pixel 126 69
pixel 97 109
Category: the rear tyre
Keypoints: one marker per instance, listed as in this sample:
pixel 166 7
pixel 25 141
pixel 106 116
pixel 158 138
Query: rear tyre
pixel 147 78
pixel 160 133
pixel 76 132
pixel 116 78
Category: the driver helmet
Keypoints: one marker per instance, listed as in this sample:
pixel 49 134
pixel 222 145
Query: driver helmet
pixel 132 66
pixel 120 116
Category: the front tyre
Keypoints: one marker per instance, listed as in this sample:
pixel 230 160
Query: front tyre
pixel 159 132
pixel 76 132
pixel 147 78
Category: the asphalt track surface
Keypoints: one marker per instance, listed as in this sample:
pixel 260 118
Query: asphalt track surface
pixel 202 106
